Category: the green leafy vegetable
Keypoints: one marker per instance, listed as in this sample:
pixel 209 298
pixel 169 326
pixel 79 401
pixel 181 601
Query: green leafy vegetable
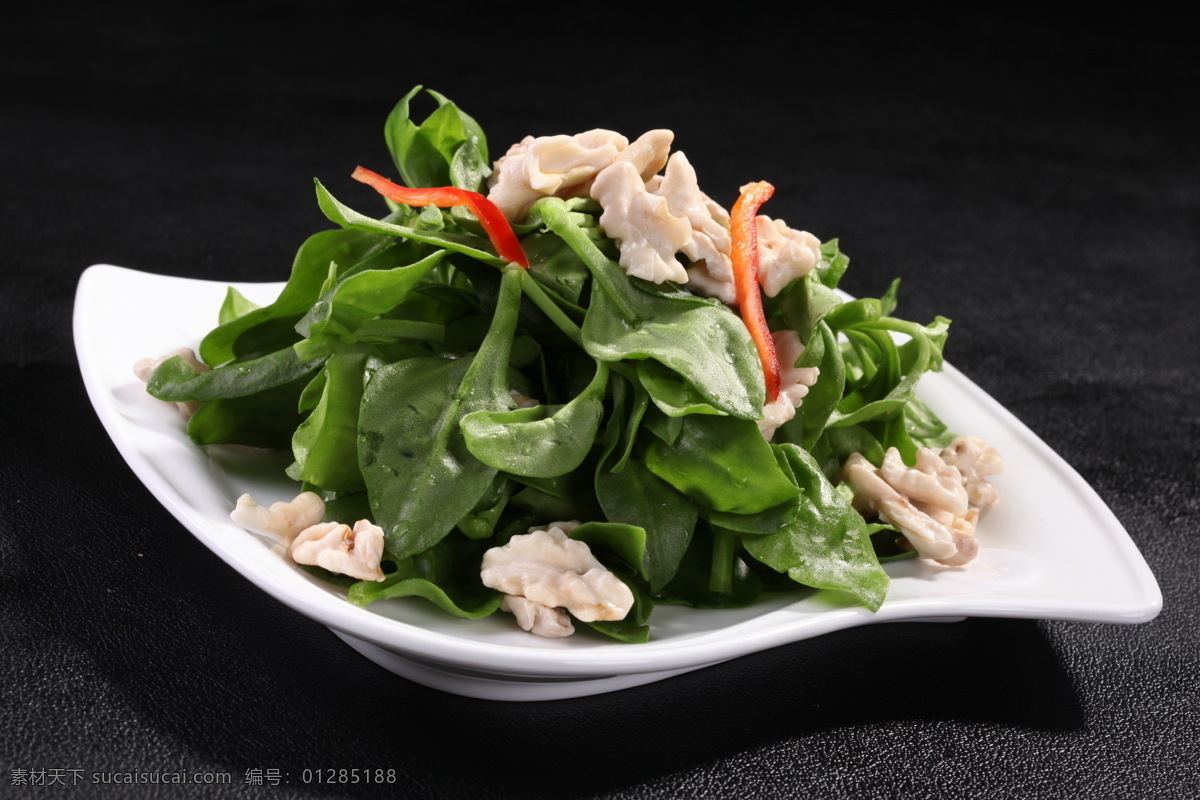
pixel 235 305
pixel 176 380
pixel 689 334
pixel 425 153
pixel 325 445
pixel 723 464
pixel 389 363
pixel 421 477
pixel 539 442
pixel 446 574
pixel 825 544
pixel 310 268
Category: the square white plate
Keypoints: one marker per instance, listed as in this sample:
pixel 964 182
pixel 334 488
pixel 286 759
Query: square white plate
pixel 1050 549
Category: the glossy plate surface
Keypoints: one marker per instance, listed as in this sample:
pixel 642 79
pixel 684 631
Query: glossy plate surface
pixel 1049 549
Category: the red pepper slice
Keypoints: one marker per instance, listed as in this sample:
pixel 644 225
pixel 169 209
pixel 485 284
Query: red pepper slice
pixel 490 217
pixel 744 254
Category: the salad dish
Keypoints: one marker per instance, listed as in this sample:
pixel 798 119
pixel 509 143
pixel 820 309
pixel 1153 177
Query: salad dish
pixel 1053 550
pixel 561 423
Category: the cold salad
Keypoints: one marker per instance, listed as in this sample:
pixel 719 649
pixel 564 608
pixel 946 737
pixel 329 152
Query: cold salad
pixel 569 385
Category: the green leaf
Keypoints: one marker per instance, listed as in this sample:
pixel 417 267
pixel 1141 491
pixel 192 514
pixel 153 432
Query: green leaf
pixel 312 392
pixel 723 464
pixel 542 505
pixel 770 520
pixel 235 305
pixel 662 426
pixel 631 319
pixel 264 419
pixel 637 401
pixel 469 168
pixel 325 445
pixel 888 301
pixel 446 575
pixel 554 265
pixel 633 628
pixel 803 305
pixel 397 330
pixel 362 297
pixel 850 439
pixel 673 395
pixel 399 131
pixel 633 495
pixel 310 268
pixel 420 475
pixel 823 397
pixel 833 264
pixel 481 522
pixel 472 130
pixel 424 153
pixel 827 545
pixel 338 506
pixel 627 542
pixel 431 218
pixel 177 381
pixel 708 344
pixel 540 442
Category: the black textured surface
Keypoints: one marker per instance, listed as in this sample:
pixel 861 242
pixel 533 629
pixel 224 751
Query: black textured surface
pixel 1039 185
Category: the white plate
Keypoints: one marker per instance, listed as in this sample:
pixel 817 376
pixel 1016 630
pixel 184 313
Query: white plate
pixel 1050 549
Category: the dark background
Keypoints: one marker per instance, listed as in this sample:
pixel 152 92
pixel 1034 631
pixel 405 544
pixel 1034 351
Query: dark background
pixel 1037 181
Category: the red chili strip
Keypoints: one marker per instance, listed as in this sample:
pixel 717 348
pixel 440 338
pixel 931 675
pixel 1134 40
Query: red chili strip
pixel 490 217
pixel 744 254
